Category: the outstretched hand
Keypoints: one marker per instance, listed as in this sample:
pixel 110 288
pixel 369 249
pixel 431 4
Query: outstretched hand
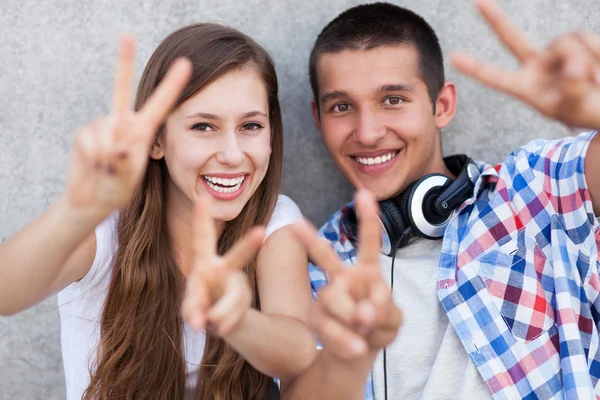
pixel 355 313
pixel 561 81
pixel 218 293
pixel 111 154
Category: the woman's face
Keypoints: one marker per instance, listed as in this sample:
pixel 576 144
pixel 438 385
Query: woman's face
pixel 219 141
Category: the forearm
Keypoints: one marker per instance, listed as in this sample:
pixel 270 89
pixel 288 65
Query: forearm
pixel 592 172
pixel 330 378
pixel 32 259
pixel 277 345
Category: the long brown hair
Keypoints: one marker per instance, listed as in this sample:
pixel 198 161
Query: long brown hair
pixel 140 354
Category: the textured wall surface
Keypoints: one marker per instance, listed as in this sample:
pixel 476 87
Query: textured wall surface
pixel 56 65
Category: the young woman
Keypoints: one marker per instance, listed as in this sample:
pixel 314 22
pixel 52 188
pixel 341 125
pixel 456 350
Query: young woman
pixel 123 241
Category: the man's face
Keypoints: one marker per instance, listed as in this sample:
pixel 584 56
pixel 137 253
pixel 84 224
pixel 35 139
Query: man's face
pixel 377 119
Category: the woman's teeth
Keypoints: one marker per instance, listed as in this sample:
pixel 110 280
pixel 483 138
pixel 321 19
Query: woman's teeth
pixel 376 160
pixel 224 185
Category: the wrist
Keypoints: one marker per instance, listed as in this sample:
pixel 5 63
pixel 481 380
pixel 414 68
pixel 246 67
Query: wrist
pixel 360 363
pixel 78 216
pixel 240 327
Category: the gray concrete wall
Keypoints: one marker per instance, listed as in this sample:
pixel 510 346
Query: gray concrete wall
pixel 56 66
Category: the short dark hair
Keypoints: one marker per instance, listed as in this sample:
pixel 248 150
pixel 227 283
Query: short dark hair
pixel 368 26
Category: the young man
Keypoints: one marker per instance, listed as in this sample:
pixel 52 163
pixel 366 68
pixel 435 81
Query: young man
pixel 506 304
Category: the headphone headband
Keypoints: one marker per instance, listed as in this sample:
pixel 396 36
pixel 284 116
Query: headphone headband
pixel 423 209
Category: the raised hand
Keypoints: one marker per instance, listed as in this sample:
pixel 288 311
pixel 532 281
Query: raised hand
pixel 562 81
pixel 355 312
pixel 218 293
pixel 111 154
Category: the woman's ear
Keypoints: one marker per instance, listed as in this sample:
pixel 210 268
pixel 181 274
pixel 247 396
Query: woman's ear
pixel 156 151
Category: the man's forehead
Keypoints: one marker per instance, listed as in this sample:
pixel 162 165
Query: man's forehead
pixel 380 65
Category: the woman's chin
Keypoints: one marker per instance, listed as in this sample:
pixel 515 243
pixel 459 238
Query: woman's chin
pixel 225 212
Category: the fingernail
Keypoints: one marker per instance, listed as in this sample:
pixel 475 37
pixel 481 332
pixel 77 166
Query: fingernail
pixel 369 311
pixel 575 70
pixel 212 329
pixel 357 346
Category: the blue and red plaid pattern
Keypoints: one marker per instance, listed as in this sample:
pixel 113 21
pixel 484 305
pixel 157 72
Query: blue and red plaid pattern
pixel 518 274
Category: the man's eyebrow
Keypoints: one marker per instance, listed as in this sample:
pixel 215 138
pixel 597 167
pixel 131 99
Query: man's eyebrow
pixel 395 87
pixel 336 94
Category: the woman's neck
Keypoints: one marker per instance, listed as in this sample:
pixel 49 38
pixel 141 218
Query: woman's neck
pixel 179 218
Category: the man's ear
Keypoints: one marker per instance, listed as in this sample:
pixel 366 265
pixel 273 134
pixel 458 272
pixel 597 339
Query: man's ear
pixel 445 105
pixel 316 115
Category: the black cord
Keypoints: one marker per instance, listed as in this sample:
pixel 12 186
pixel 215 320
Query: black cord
pixel 406 232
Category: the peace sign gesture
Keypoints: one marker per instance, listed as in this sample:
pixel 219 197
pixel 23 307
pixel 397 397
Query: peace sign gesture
pixel 111 154
pixel 355 312
pixel 217 291
pixel 562 81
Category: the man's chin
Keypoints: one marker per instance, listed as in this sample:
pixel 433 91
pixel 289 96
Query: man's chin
pixel 380 191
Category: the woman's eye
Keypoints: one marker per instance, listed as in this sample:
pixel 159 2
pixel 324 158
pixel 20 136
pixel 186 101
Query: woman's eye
pixel 392 101
pixel 252 126
pixel 342 107
pixel 202 127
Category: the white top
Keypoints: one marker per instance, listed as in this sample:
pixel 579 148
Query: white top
pixel 427 361
pixel 80 306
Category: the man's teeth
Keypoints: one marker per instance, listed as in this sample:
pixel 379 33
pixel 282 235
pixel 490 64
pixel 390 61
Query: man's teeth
pixel 376 160
pixel 223 185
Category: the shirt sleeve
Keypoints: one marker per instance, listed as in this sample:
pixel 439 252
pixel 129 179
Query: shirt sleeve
pixel 554 171
pixel 106 244
pixel 286 212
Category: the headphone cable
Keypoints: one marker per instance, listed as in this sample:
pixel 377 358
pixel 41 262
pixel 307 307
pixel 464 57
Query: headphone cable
pixel 402 236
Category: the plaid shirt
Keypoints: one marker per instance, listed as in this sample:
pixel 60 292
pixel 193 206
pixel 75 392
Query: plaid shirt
pixel 518 274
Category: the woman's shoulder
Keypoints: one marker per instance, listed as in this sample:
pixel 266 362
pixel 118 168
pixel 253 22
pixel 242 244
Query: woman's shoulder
pixel 286 212
pixel 106 235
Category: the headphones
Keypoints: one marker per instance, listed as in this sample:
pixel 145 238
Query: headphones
pixel 423 209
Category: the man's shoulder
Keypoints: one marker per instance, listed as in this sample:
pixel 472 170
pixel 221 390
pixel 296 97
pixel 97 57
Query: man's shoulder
pixel 537 162
pixel 334 233
pixel 331 229
pixel 540 187
pixel 561 150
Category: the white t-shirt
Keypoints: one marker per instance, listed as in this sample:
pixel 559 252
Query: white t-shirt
pixel 427 361
pixel 80 306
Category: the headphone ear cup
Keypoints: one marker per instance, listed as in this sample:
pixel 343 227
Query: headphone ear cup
pixel 417 205
pixel 403 203
pixel 350 225
pixel 394 224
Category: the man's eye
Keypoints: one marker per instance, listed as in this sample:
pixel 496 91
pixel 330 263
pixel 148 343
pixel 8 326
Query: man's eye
pixel 342 107
pixel 392 101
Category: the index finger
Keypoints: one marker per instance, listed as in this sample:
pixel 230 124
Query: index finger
pixel 369 229
pixel 160 103
pixel 205 236
pixel 509 34
pixel 122 89
pixel 498 78
pixel 318 249
pixel 242 252
pixel 591 41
